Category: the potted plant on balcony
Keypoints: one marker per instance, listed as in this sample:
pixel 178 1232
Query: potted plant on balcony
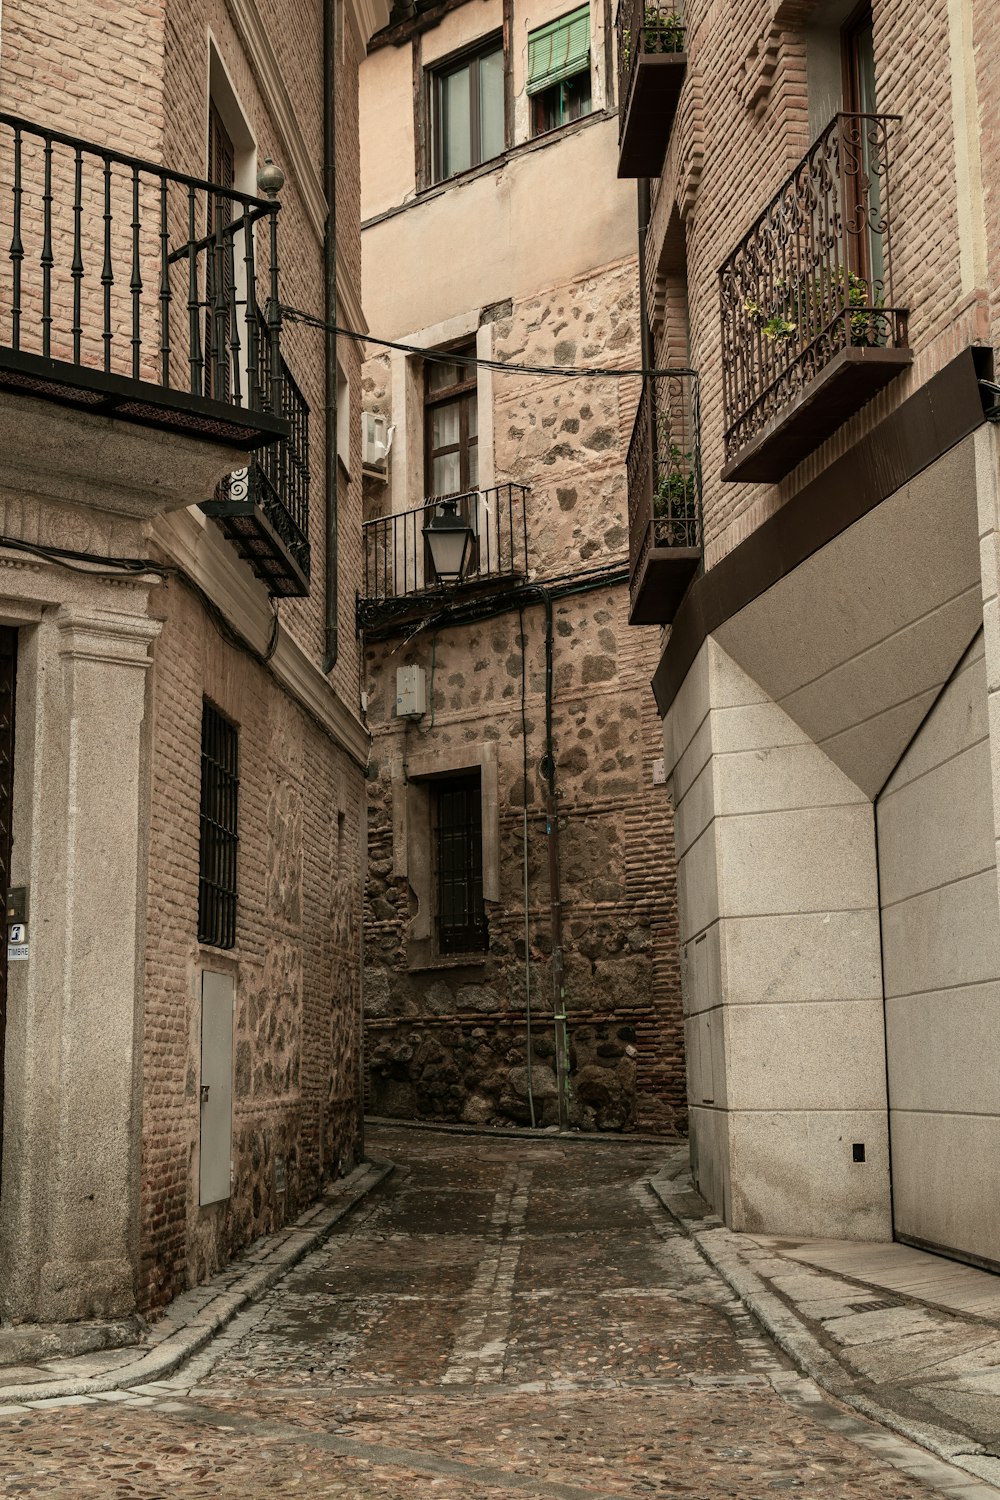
pixel 662 32
pixel 815 304
pixel 675 500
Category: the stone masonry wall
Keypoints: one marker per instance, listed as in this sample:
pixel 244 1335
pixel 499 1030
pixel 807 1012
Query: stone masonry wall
pixel 449 1042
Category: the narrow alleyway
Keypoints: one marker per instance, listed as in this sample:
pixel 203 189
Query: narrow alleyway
pixel 501 1318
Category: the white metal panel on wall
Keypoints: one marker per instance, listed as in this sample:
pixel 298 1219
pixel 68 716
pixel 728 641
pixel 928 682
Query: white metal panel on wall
pixel 218 992
pixel 941 961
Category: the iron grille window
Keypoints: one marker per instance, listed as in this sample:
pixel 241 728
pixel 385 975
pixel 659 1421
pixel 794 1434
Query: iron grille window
pixel 461 916
pixel 220 785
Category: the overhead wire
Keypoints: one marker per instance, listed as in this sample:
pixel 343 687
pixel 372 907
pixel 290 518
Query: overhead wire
pixel 459 357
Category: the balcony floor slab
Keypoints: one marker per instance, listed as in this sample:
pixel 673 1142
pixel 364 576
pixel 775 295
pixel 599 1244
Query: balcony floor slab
pixel 661 583
pixel 841 388
pixel 649 113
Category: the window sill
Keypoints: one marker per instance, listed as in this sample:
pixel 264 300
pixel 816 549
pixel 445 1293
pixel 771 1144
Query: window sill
pixel 423 965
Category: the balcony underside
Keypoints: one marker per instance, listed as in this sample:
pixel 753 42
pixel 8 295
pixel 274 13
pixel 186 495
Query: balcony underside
pixel 660 584
pixel 385 616
pixel 839 390
pixel 247 525
pixel 649 113
pixel 137 401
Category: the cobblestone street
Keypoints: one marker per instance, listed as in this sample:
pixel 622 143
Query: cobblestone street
pixel 500 1318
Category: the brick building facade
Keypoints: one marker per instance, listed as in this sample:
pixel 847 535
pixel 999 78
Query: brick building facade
pixel 184 754
pixel 819 184
pixel 528 654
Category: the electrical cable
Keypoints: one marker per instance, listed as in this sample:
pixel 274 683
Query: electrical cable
pixel 117 568
pixel 453 357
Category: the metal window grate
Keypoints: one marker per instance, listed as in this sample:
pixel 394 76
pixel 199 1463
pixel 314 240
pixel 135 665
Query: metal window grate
pixel 220 784
pixel 461 916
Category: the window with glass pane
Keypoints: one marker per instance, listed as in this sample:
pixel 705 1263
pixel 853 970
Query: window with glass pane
pixel 452 426
pixel 558 82
pixel 451 417
pixel 468 111
pixel 461 914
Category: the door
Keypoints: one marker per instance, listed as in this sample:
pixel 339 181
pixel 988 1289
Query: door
pixel 219 259
pixel 218 1000
pixel 8 678
pixel 865 249
pixel 941 964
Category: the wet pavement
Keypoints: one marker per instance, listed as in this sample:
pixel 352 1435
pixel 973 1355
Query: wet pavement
pixel 501 1317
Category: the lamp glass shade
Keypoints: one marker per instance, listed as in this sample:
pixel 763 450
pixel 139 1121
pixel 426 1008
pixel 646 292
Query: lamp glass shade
pixel 449 539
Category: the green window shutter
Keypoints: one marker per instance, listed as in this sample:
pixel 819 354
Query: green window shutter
pixel 559 50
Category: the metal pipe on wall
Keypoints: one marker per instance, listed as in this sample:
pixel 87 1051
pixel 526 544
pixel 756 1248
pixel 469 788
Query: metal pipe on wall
pixel 332 642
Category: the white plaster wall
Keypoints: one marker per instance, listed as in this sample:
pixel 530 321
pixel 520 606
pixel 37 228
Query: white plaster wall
pixel 388 147
pixel 941 955
pixel 503 234
pixel 781 974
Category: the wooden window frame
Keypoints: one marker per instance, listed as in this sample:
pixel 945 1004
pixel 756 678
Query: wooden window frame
pixel 464 390
pixel 436 74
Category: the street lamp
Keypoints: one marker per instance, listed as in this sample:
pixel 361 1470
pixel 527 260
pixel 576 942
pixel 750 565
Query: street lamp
pixel 449 539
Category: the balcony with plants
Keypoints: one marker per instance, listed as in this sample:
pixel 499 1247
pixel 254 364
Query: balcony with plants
pixel 449 550
pixel 811 330
pixel 652 63
pixel 664 497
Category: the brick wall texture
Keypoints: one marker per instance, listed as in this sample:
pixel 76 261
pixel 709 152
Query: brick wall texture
pixel 743 123
pixel 134 76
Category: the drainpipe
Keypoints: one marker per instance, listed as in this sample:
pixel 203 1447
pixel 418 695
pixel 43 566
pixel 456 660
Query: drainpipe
pixel 330 313
pixel 555 891
pixel 644 330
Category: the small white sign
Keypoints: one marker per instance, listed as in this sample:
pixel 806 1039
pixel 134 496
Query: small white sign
pixel 16 933
pixel 659 772
pixel 16 951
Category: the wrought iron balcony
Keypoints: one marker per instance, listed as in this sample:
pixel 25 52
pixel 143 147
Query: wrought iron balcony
pixel 810 326
pixel 651 67
pixel 664 497
pixel 264 508
pixel 400 580
pixel 132 291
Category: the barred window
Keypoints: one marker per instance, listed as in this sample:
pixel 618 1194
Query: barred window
pixel 461 915
pixel 220 785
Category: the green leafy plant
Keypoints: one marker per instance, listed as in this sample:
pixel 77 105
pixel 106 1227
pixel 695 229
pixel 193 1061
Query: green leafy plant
pixel 675 496
pixel 663 32
pixel 813 302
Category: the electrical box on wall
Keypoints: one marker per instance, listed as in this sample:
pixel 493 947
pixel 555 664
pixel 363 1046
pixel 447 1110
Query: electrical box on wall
pixel 376 440
pixel 411 692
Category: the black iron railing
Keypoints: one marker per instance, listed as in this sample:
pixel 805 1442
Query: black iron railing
pixel 264 507
pixel 398 564
pixel 813 276
pixel 664 467
pixel 645 28
pixel 108 266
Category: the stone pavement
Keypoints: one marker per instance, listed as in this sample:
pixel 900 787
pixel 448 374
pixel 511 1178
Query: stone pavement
pixel 500 1317
pixel 910 1338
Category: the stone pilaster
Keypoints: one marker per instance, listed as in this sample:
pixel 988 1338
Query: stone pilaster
pixel 68 1231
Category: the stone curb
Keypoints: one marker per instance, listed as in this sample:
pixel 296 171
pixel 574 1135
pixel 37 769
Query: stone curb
pixel 724 1251
pixel 295 1241
pixel 525 1132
